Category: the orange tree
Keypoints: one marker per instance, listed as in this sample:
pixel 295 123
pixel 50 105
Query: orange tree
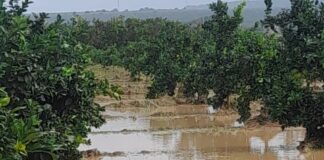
pixel 291 98
pixel 43 73
pixel 278 69
pixel 214 61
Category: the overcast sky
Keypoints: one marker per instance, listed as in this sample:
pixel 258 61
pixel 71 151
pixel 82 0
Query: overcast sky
pixel 91 5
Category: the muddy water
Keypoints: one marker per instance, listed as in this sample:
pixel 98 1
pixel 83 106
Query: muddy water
pixel 193 135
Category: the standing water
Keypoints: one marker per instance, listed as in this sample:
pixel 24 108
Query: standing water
pixel 196 135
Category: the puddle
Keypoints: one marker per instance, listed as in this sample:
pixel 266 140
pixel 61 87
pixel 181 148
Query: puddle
pixel 134 142
pixel 199 136
pixel 189 122
pixel 238 124
pixel 211 110
pixel 124 124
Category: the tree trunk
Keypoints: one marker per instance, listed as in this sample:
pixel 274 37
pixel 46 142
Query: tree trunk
pixel 314 137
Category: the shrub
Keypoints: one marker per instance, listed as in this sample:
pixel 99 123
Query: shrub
pixel 43 68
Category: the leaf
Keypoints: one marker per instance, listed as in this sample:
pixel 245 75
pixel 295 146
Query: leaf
pixel 20 148
pixel 3 30
pixel 4 101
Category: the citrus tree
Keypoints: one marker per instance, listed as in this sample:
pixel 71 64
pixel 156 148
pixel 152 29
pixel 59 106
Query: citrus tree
pixel 43 67
pixel 278 69
pixel 213 66
pixel 292 98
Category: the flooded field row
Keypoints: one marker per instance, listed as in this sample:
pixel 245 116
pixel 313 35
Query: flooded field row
pixel 178 135
pixel 169 129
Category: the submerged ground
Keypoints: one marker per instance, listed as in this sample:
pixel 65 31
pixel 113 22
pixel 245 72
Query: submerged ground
pixel 167 128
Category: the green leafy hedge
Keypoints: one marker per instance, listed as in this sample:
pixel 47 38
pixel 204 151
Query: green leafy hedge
pixel 42 72
pixel 276 64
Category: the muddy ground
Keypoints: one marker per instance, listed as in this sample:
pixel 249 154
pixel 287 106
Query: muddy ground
pixel 166 128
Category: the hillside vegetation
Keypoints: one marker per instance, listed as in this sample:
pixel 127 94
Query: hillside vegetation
pixel 253 12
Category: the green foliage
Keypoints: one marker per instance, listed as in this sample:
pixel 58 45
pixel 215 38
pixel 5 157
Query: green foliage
pixel 21 138
pixel 292 100
pixel 222 26
pixel 5 99
pixel 215 66
pixel 43 67
pixel 51 95
pixel 157 48
pixel 277 71
pixel 172 59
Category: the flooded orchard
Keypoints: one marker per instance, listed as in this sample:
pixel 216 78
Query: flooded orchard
pixel 163 129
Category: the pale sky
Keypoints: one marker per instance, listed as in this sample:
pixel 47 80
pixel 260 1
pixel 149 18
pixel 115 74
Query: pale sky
pixel 91 5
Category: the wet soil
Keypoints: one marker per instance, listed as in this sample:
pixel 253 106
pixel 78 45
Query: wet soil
pixel 162 129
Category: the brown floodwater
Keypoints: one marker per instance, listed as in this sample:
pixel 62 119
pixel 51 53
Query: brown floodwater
pixel 191 133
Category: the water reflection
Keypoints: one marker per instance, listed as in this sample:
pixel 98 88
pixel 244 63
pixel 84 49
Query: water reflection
pixel 284 144
pixel 196 137
pixel 257 145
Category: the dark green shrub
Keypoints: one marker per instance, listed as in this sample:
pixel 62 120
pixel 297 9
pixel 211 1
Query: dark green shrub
pixel 45 65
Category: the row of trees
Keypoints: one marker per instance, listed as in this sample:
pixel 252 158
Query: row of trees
pixel 46 99
pixel 276 64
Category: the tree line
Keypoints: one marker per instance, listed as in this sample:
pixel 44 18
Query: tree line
pixel 47 97
pixel 279 62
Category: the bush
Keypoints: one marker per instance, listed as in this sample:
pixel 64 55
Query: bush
pixel 43 68
pixel 21 138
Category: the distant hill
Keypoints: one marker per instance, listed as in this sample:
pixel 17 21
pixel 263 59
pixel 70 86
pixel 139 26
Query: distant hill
pixel 253 12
